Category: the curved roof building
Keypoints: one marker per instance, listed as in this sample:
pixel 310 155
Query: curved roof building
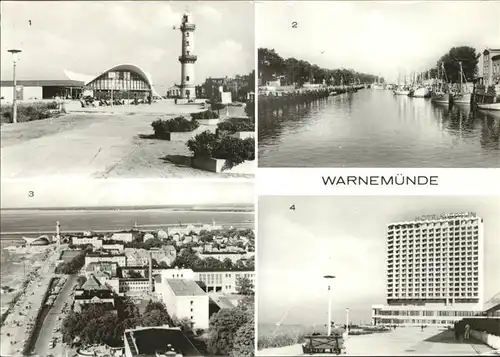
pixel 42 240
pixel 123 78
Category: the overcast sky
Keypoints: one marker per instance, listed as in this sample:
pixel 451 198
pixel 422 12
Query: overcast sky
pixel 90 37
pixel 377 37
pixel 95 193
pixel 345 236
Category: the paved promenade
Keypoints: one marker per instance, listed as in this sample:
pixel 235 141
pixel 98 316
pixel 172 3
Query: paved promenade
pixel 109 142
pixel 406 341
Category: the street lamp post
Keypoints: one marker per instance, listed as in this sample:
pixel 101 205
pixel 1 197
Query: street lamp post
pixel 347 320
pixel 329 325
pixel 14 53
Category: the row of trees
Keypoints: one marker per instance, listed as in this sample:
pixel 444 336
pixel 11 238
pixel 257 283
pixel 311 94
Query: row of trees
pixel 189 259
pixel 451 60
pixel 294 71
pixel 75 264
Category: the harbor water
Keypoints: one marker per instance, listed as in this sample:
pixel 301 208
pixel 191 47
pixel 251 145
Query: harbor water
pixel 375 128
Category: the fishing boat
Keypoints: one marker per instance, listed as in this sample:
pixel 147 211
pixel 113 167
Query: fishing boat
pixel 422 92
pixel 490 106
pixel 463 94
pixel 401 89
pixel 440 92
pixel 377 85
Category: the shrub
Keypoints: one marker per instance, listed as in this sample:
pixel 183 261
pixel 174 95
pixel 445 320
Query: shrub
pixel 223 328
pixel 243 344
pixel 233 150
pixel 250 109
pixel 218 106
pixel 281 340
pixel 207 114
pixel 163 128
pixel 29 111
pixel 236 124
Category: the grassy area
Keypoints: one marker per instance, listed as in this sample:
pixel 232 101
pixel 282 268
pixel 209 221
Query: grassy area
pixel 68 255
pixel 29 111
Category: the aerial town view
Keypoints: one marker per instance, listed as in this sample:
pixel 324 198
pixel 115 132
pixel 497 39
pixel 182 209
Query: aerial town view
pixel 378 275
pixel 379 84
pixel 110 277
pixel 149 90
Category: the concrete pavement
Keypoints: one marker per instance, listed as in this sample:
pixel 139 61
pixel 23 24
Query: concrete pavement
pixel 110 142
pixel 407 341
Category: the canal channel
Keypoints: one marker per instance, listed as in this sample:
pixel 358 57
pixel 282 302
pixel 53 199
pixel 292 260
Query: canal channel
pixel 375 128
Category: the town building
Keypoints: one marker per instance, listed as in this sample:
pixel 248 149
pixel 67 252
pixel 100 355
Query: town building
pixel 186 229
pixel 133 286
pixel 491 67
pixel 174 91
pixel 108 268
pixel 223 282
pixel 95 241
pixel 31 90
pixel 157 341
pixel 185 299
pixel 140 257
pixel 187 58
pixel 232 256
pixel 434 270
pixel 93 292
pixel 120 259
pixel 177 274
pixel 126 237
pixel 113 248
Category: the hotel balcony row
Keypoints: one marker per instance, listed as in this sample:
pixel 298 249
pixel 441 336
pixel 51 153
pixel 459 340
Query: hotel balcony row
pixel 438 223
pixel 431 237
pixel 432 295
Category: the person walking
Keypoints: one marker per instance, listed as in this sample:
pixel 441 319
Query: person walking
pixel 467 332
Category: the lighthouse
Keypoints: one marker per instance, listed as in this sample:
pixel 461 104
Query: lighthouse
pixel 187 58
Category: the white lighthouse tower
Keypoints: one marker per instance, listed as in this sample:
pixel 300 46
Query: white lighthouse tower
pixel 187 59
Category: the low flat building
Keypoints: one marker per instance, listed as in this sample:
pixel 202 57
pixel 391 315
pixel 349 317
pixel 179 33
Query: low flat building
pixel 127 237
pixel 37 90
pixel 109 268
pixel 223 281
pixel 185 299
pixel 157 341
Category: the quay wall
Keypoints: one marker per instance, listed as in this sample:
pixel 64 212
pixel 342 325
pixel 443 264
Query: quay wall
pixel 280 99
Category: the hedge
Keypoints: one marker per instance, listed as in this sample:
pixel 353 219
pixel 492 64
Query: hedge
pixel 207 114
pixel 29 111
pixel 162 128
pixel 236 124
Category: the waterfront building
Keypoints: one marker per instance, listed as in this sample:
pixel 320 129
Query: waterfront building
pixel 174 91
pixel 28 90
pixel 185 299
pixel 120 259
pixel 42 240
pixel 223 282
pixel 434 270
pixel 491 67
pixel 187 58
pixel 157 341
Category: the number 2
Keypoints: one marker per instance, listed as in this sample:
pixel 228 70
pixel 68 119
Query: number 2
pixel 294 24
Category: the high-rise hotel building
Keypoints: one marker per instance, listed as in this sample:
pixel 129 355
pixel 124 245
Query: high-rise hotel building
pixel 434 270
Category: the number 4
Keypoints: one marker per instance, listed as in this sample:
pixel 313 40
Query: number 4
pixel 292 207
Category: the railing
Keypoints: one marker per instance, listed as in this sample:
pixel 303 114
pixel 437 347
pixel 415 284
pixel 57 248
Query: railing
pixel 188 58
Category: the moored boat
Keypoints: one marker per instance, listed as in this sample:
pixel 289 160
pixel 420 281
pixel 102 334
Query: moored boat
pixel 490 106
pixel 401 91
pixel 463 94
pixel 422 92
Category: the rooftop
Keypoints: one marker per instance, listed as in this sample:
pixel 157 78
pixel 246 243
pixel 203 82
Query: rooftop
pixel 160 339
pixel 182 287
